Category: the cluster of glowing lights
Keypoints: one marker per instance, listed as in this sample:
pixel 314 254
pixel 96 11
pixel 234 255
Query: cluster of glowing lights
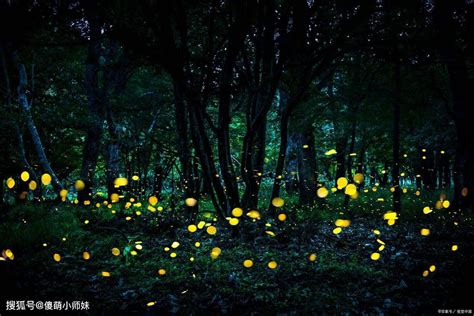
pixel 350 188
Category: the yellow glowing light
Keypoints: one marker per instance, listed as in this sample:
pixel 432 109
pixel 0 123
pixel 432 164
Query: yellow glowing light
pixel 375 256
pixel 330 152
pixel 120 182
pixel 32 185
pixel 215 252
pixel 342 222
pixel 254 214
pixel 10 183
pixel 358 178
pixel 46 179
pixel 341 183
pixel 153 200
pixel 114 197
pixel 79 185
pixel 25 176
pixel 116 252
pixel 278 202
pixel 237 212
pixel 234 221
pixel 351 189
pixel 191 202
pixel 337 230
pixel 272 265
pixel 322 192
pixel 211 230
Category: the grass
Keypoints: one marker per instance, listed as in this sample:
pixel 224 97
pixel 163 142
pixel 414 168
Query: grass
pixel 343 277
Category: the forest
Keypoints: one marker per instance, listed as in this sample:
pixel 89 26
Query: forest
pixel 237 157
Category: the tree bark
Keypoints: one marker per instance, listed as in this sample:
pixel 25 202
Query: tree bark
pixel 30 123
pixel 291 177
pixel 307 174
pixel 396 140
pixel 237 33
pixel 91 149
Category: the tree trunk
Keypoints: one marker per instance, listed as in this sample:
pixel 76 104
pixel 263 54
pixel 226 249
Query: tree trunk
pixel 463 97
pixel 30 124
pixel 307 175
pixel 291 177
pixel 237 34
pixel 351 149
pixel 285 115
pixel 396 141
pixel 341 158
pixel 91 149
pixel 446 172
pixel 187 183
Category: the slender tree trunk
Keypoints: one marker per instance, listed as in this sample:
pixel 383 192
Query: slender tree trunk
pixel 463 98
pixel 282 149
pixel 266 76
pixel 446 172
pixel 30 124
pixel 204 152
pixel 291 177
pixel 158 179
pixel 396 141
pixel 237 33
pixel 112 162
pixel 115 76
pixel 307 175
pixel 20 148
pixel 351 150
pixel 341 146
pixel 187 183
pixel 91 149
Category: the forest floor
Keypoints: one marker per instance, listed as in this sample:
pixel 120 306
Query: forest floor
pixel 343 278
